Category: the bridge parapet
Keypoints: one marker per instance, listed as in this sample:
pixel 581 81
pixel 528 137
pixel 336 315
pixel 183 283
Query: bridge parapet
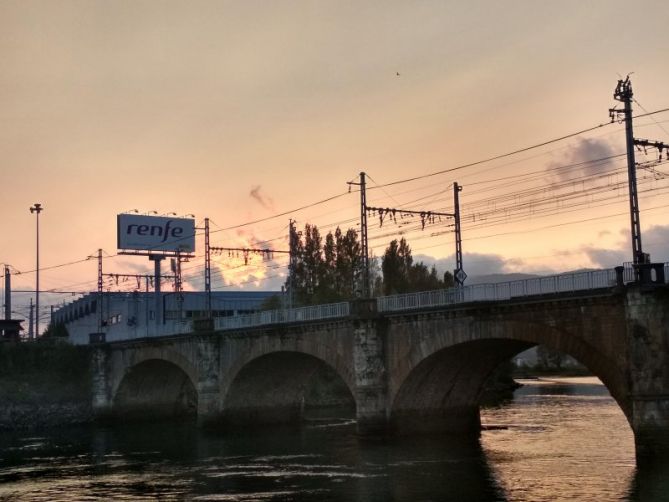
pixel 571 282
pixel 284 316
pixel 561 283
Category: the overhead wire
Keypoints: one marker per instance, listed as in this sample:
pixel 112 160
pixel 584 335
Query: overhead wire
pixel 524 177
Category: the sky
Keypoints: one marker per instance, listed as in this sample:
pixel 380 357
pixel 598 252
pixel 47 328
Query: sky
pixel 247 111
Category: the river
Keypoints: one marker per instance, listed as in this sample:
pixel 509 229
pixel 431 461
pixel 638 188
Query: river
pixel 559 439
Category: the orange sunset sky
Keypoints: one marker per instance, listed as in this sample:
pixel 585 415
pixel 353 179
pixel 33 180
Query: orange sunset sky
pixel 242 111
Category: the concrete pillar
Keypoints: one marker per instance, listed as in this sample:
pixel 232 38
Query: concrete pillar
pixel 101 388
pixel 647 315
pixel 370 369
pixel 209 400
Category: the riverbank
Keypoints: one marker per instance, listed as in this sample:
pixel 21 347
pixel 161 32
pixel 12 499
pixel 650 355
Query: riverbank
pixel 44 385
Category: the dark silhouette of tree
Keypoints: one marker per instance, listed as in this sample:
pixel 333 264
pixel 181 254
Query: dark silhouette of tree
pixel 402 275
pixel 324 272
pixel 550 359
pixel 55 330
pixel 329 270
pixel 395 265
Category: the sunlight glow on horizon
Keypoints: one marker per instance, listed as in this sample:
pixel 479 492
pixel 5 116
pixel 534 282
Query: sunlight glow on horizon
pixel 241 111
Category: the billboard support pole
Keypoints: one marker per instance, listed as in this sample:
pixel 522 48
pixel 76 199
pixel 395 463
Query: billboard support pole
pixel 156 282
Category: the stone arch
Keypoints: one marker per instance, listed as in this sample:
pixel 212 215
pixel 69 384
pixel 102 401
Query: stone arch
pixel 438 381
pixel 125 360
pixel 155 385
pixel 270 388
pixel 320 347
pixel 155 389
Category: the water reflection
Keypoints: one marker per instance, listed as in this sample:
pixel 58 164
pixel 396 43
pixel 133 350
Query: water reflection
pixel 561 444
pixel 560 440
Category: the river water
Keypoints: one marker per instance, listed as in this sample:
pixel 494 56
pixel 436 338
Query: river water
pixel 559 439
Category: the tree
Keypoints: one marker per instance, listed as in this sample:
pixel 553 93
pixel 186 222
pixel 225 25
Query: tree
pixel 324 273
pixel 396 263
pixel 549 359
pixel 55 330
pixel 402 275
pixel 330 270
pixel 271 303
pixel 348 263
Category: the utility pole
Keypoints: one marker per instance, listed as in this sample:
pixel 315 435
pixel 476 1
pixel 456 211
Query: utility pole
pixel 178 285
pixel 31 332
pixel 364 242
pixel 624 94
pixel 37 208
pixel 207 267
pixel 100 293
pixel 292 262
pixel 459 274
pixel 146 303
pixel 8 294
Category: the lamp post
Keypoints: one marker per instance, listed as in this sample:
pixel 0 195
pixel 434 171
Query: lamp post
pixel 37 208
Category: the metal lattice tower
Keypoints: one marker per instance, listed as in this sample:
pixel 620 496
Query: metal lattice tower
pixel 100 318
pixel 459 274
pixel 207 266
pixel 623 93
pixel 364 248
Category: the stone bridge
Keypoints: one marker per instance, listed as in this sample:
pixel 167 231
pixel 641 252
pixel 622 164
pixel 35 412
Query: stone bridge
pixel 409 370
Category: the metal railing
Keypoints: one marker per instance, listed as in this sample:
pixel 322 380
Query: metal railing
pixel 314 313
pixel 561 283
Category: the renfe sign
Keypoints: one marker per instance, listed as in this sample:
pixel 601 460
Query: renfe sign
pixel 155 233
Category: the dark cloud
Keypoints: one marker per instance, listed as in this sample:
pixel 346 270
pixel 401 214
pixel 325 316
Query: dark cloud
pixel 475 264
pixel 606 258
pixel 655 241
pixel 582 157
pixel 262 199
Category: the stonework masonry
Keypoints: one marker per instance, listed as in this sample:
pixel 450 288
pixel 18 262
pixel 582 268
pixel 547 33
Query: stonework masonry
pixel 418 371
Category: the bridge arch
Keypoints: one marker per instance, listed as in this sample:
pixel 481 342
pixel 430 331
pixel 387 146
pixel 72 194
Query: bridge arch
pixel 154 384
pixel 438 381
pixel 272 387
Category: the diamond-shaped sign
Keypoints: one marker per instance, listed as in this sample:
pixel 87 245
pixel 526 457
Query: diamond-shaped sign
pixel 460 276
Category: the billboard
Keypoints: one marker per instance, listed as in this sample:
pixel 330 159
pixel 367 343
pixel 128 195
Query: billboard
pixel 155 233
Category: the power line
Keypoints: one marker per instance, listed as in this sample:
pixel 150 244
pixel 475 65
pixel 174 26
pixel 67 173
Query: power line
pixel 496 157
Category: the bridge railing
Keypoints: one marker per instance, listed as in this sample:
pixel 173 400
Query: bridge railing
pixel 563 283
pixel 313 313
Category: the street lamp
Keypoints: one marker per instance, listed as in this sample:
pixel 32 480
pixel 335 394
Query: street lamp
pixel 37 208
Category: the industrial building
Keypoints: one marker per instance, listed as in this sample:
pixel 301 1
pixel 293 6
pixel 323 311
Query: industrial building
pixel 126 316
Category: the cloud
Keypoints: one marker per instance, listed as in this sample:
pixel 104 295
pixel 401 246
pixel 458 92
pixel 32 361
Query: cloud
pixel 264 200
pixel 606 258
pixel 139 266
pixel 655 241
pixel 475 264
pixel 582 160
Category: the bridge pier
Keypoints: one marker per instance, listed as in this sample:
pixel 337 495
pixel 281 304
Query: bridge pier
pixel 209 403
pixel 647 318
pixel 371 389
pixel 101 386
